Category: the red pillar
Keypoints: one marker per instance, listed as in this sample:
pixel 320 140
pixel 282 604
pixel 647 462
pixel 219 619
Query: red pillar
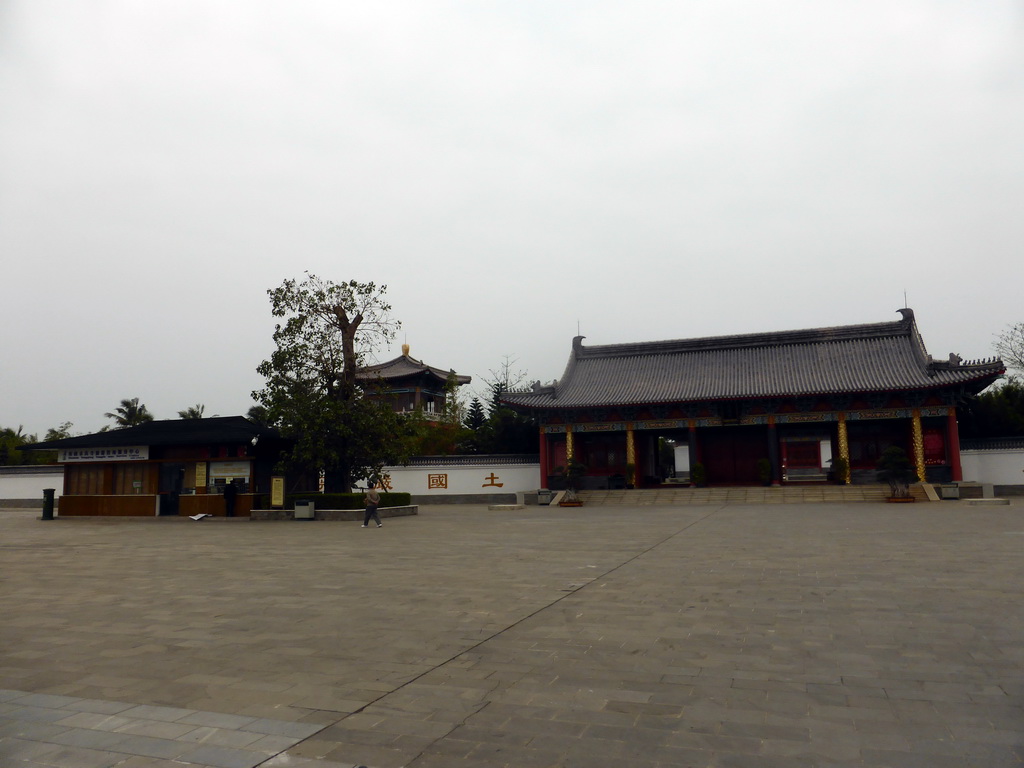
pixel 543 460
pixel 953 441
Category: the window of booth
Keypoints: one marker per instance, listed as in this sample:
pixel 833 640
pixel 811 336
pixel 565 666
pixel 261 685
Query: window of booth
pixel 223 472
pixel 132 478
pixel 84 480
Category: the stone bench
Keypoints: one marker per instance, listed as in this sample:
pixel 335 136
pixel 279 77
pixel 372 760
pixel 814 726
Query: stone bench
pixel 343 515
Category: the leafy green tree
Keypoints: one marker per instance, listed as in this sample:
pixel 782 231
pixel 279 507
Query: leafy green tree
pixel 996 412
pixel 440 434
pixel 258 414
pixel 192 412
pixel 432 438
pixel 311 393
pixel 58 433
pixel 507 431
pixel 129 414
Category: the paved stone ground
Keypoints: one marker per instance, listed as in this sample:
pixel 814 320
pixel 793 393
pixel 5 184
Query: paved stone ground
pixel 810 635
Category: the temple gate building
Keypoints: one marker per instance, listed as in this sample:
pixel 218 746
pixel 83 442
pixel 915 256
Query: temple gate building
pixel 777 406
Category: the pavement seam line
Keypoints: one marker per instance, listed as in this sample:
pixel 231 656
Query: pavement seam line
pixel 498 633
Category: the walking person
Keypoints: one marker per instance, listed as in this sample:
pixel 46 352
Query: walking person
pixel 230 494
pixel 372 501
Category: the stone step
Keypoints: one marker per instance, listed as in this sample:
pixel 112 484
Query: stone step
pixel 743 495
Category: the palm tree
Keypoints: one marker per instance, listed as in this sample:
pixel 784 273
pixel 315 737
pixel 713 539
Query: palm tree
pixel 11 441
pixel 192 412
pixel 259 414
pixel 129 414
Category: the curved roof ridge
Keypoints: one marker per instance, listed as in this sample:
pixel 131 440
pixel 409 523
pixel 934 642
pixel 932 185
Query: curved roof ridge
pixel 407 366
pixel 741 341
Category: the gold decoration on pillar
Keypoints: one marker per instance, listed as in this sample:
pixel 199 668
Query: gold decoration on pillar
pixel 568 443
pixel 917 435
pixel 844 446
pixel 631 455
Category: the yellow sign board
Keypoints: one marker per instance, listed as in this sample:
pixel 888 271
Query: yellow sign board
pixel 277 491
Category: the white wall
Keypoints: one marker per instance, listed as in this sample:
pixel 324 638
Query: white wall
pixel 29 484
pixel 682 457
pixel 826 454
pixel 1003 467
pixel 461 480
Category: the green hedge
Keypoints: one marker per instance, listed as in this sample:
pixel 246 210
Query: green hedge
pixel 339 500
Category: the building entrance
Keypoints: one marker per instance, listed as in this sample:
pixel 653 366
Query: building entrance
pixel 172 478
pixel 730 454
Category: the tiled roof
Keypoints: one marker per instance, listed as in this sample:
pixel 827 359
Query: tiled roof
pixel 219 429
pixel 993 444
pixel 404 366
pixel 878 357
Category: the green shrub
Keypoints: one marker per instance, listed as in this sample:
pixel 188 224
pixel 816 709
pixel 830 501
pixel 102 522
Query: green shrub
pixel 895 468
pixel 764 471
pixel 698 475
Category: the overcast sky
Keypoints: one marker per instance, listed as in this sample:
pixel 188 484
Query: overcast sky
pixel 646 170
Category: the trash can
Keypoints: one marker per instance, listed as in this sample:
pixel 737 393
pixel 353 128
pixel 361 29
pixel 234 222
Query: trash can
pixel 543 496
pixel 305 509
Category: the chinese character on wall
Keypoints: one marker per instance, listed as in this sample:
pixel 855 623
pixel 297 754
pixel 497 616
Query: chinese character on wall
pixel 437 481
pixel 492 481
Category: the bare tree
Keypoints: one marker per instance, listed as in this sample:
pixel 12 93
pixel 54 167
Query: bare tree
pixel 1010 346
pixel 502 380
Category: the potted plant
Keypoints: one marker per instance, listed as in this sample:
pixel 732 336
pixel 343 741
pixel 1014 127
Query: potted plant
pixel 698 475
pixel 840 470
pixel 571 473
pixel 764 471
pixel 894 468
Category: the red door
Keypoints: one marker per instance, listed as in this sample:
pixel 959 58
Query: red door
pixel 731 454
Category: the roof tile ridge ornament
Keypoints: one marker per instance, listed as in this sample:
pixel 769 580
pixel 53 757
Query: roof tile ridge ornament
pixel 927 363
pixel 577 345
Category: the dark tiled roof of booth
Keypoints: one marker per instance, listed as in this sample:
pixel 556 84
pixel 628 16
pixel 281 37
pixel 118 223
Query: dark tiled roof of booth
pixel 218 429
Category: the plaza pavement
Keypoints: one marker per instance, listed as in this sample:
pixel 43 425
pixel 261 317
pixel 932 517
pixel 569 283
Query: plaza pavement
pixel 729 635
